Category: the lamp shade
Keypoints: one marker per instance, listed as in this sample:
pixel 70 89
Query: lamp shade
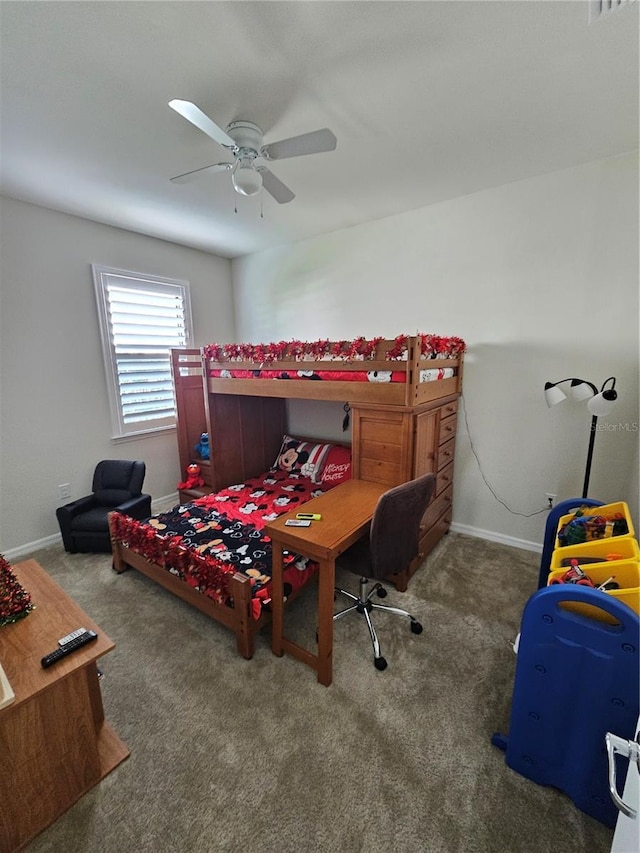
pixel 602 403
pixel 581 390
pixel 246 179
pixel 553 394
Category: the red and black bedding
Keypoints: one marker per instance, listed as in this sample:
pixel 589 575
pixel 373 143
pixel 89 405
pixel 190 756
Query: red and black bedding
pixel 427 375
pixel 207 541
pixel 326 375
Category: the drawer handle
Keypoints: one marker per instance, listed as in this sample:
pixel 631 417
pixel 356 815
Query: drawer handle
pixel 447 453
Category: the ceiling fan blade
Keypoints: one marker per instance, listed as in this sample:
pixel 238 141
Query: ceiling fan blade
pixel 275 187
pixel 195 115
pixel 190 176
pixel 306 143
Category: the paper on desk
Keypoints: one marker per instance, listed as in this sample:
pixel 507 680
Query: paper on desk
pixel 6 693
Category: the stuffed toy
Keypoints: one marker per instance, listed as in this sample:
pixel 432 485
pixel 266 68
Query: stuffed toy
pixel 194 478
pixel 202 449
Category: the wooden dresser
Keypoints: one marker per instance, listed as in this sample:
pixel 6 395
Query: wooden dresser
pixel 394 445
pixel 55 743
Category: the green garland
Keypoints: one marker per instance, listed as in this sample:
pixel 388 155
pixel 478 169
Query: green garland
pixel 15 602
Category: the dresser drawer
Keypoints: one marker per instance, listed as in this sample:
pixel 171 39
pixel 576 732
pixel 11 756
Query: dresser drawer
pixel 444 478
pixel 449 409
pixel 446 453
pixel 430 538
pixel 436 508
pixel 447 428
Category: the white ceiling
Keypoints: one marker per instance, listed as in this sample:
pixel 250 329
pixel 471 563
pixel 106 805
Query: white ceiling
pixel 428 100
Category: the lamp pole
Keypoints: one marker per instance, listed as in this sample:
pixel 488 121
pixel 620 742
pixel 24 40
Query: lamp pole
pixel 592 439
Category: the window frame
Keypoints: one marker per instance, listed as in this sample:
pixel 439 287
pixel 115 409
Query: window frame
pixel 148 282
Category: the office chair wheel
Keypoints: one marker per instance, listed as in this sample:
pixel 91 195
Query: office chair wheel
pixel 380 663
pixel 382 592
pixel 416 627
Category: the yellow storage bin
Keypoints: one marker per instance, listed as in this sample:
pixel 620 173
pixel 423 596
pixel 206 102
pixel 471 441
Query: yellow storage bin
pixel 627 575
pixel 610 512
pixel 602 550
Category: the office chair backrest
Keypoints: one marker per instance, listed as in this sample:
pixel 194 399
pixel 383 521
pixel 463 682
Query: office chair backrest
pixel 117 480
pixel 395 527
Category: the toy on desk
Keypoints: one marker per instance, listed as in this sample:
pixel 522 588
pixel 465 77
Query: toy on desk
pixel 194 478
pixel 202 448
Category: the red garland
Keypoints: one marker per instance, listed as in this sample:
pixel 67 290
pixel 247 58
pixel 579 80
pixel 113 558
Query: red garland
pixel 208 573
pixel 360 348
pixel 15 602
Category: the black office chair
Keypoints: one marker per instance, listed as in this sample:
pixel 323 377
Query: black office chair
pixel 391 546
pixel 117 485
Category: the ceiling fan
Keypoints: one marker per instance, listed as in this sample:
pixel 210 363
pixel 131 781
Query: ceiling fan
pixel 243 139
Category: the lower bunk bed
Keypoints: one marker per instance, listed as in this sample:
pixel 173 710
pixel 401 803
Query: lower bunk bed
pixel 213 552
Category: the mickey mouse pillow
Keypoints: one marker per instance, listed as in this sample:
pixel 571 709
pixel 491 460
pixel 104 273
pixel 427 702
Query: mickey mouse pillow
pixel 302 457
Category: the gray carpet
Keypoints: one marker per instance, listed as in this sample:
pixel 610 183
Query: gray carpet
pixel 231 755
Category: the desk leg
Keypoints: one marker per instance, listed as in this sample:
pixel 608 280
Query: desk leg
pixel 326 585
pixel 277 603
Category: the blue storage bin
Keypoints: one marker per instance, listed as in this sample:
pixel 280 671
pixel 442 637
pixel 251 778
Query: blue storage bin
pixel 576 679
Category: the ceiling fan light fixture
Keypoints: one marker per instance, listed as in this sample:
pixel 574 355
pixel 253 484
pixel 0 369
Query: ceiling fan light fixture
pixel 246 178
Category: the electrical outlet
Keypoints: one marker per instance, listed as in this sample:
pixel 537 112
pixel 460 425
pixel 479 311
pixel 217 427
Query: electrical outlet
pixel 64 491
pixel 551 499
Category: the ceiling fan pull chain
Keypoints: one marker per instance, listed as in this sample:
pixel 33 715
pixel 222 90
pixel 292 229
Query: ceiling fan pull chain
pixel 261 210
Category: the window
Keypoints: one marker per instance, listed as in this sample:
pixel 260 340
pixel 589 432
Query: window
pixel 141 319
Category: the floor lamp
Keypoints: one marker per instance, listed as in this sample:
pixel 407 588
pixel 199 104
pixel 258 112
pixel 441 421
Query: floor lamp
pixel 599 403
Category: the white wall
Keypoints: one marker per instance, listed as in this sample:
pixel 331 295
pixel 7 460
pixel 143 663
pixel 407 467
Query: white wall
pixel 540 277
pixel 54 418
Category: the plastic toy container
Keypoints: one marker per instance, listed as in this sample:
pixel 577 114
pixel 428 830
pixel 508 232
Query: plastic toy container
pixel 576 679
pixel 598 550
pixel 610 512
pixel 626 574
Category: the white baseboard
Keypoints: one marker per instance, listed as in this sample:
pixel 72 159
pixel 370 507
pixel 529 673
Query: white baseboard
pixel 29 547
pixel 10 556
pixel 467 530
pixel 164 504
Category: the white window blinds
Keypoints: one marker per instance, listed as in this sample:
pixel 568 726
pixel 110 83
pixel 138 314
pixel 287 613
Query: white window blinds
pixel 141 318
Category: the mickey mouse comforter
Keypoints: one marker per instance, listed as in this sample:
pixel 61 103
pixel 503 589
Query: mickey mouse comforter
pixel 207 541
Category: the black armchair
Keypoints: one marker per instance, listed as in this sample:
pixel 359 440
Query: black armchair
pixel 392 544
pixel 117 485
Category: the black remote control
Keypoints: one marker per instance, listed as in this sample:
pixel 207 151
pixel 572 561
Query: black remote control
pixel 71 646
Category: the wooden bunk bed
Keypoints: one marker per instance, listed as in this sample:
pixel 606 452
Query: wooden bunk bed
pixel 403 397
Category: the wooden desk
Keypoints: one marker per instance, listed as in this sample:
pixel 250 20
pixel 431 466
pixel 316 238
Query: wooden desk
pixel 54 742
pixel 346 513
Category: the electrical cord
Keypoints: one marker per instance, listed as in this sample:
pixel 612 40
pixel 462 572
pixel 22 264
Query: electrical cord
pixel 486 482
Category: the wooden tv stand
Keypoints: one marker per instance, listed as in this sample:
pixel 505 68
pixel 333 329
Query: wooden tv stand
pixel 54 741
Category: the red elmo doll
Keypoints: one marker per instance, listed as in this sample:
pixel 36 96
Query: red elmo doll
pixel 194 478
